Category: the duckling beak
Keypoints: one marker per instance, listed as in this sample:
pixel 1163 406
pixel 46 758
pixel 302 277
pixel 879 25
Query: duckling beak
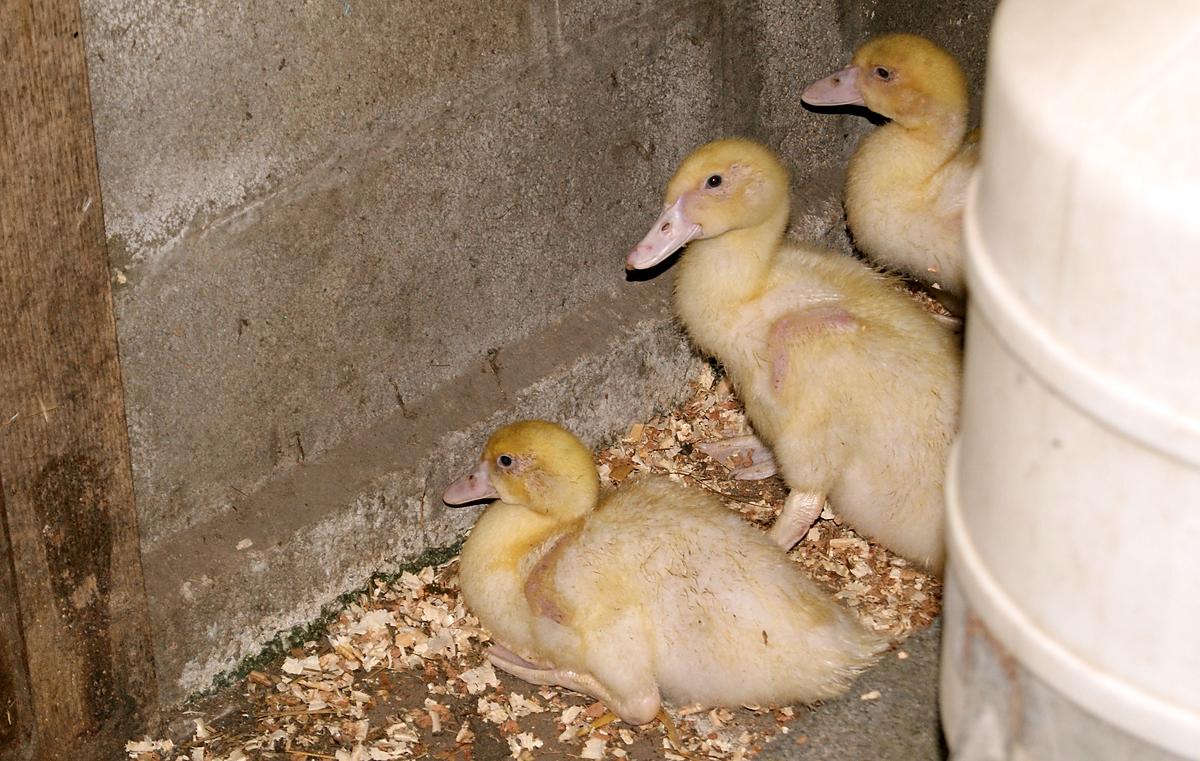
pixel 472 487
pixel 671 231
pixel 840 89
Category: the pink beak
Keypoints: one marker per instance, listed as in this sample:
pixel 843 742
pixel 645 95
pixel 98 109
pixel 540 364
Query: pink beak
pixel 840 89
pixel 671 231
pixel 472 487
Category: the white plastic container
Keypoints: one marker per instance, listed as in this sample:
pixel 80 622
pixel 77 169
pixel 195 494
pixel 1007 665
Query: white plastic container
pixel 1074 496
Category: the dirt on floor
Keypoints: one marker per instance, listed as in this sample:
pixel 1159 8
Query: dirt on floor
pixel 401 672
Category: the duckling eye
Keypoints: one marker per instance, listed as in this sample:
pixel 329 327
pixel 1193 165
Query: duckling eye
pixel 504 461
pixel 882 73
pixel 714 181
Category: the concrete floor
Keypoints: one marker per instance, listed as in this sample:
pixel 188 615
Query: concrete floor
pixel 901 725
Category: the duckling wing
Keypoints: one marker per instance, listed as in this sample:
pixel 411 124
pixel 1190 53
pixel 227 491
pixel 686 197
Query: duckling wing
pixel 590 620
pixel 951 184
pixel 800 327
pixel 541 585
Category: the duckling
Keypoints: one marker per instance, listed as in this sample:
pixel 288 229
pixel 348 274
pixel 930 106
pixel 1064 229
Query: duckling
pixel 852 384
pixel 906 183
pixel 654 591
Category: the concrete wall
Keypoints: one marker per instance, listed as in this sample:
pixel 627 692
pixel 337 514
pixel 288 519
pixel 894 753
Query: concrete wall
pixel 349 238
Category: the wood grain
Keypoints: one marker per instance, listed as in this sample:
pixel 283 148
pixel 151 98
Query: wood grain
pixel 64 449
pixel 16 713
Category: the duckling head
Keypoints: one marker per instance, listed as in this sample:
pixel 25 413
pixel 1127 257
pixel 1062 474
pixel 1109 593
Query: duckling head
pixel 903 77
pixel 533 464
pixel 722 186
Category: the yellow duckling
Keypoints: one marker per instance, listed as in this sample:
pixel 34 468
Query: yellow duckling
pixel 652 592
pixel 907 181
pixel 852 384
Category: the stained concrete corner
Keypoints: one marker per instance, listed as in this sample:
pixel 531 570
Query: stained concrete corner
pixel 222 588
pixel 349 238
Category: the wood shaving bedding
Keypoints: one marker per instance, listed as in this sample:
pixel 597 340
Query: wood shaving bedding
pixel 401 672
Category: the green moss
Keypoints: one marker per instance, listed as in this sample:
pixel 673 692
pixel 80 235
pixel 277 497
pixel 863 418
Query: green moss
pixel 298 635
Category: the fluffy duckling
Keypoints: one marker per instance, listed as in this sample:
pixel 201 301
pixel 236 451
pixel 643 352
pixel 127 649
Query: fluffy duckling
pixel 851 383
pixel 906 184
pixel 652 592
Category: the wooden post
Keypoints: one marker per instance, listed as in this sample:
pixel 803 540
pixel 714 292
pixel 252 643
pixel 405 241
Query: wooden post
pixel 16 714
pixel 70 562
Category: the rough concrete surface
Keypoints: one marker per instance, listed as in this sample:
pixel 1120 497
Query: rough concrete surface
pixel 900 725
pixel 375 500
pixel 430 198
pixel 361 286
pixel 350 237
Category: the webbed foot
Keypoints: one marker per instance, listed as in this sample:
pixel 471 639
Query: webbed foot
pixel 746 457
pixel 505 660
pixel 798 514
pixel 638 705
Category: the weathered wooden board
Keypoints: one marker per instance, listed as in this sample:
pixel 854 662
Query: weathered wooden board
pixel 64 450
pixel 16 714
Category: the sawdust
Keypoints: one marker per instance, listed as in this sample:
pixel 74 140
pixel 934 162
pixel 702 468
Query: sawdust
pixel 401 671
